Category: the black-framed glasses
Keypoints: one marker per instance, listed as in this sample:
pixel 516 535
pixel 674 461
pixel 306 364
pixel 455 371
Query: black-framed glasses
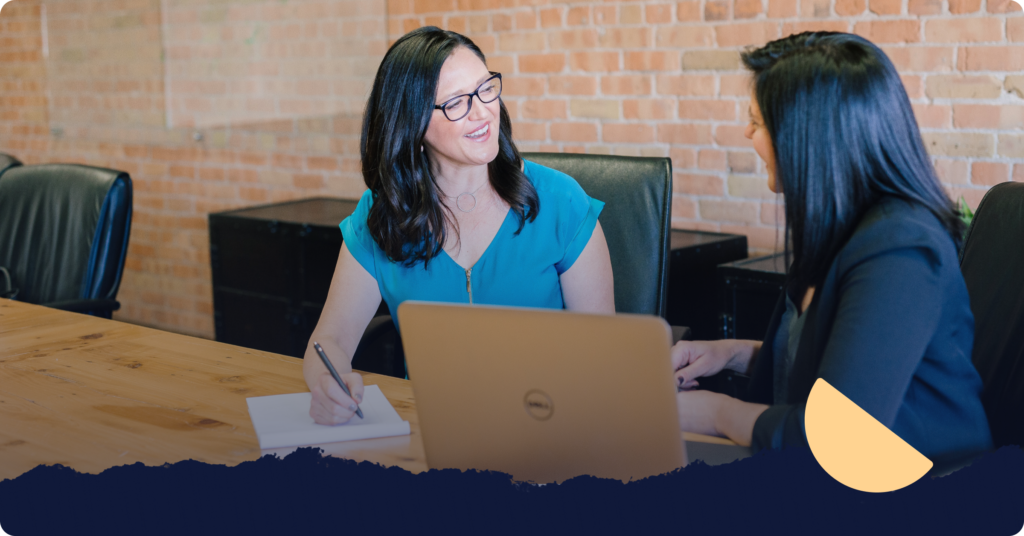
pixel 458 107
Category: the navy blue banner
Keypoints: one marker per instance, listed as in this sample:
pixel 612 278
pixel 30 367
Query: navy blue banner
pixel 783 492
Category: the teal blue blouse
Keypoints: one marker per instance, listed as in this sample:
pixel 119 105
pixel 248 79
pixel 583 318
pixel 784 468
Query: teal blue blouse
pixel 515 270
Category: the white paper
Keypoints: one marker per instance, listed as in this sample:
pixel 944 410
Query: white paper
pixel 284 421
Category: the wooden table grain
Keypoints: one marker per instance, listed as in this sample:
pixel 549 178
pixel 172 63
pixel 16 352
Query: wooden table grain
pixel 91 394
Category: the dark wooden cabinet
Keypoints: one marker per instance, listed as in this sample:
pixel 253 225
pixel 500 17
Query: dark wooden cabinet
pixel 750 290
pixel 272 267
pixel 693 293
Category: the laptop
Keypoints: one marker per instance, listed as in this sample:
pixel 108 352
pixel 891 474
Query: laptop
pixel 543 395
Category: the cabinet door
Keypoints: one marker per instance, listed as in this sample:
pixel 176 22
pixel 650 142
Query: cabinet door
pixel 253 321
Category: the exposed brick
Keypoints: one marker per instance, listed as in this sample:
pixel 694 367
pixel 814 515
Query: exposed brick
pixel 1018 172
pixel 714 110
pixel 964 30
pixel 684 36
pixel 689 183
pixel 686 85
pixel 631 14
pixel 791 28
pixel 711 159
pixel 594 61
pixel 574 132
pixel 734 85
pixel 716 10
pixel 543 109
pixel 951 171
pixel 522 86
pixel 584 38
pixel 953 86
pixel 921 59
pixel 1015 85
pixel 729 211
pixel 521 41
pixel 988 116
pixel 627 133
pixel 626 85
pixel 572 85
pixel 717 60
pixel 683 208
pixel 652 61
pixel 682 157
pixel 625 38
pixel 684 134
pixel 541 63
pixel 959 144
pixel 914 86
pixel 552 17
pixel 731 136
pixel 781 9
pixel 850 8
pixel 648 109
pixel 742 161
pixel 998 58
pixel 959 7
pixel 526 20
pixel 752 33
pixel 595 109
pixel 817 9
pixel 578 16
pixel 889 31
pixel 1015 29
pixel 746 9
pixel 1011 145
pixel 750 187
pixel 933 115
pixel 886 7
pixel 688 11
pixel 1003 6
pixel 989 173
pixel 658 13
pixel 924 7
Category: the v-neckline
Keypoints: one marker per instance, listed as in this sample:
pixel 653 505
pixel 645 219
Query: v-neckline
pixel 486 250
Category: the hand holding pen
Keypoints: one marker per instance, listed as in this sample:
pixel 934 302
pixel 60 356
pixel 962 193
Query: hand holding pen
pixel 335 396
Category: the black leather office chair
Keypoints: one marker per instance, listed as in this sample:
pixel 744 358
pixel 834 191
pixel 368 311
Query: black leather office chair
pixel 7 162
pixel 992 262
pixel 64 233
pixel 636 221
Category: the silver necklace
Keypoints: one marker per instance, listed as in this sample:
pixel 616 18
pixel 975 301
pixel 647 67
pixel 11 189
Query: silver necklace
pixel 467 198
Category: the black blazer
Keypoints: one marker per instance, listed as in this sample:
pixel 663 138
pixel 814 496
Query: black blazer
pixel 891 328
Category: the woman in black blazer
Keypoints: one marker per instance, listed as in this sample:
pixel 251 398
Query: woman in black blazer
pixel 875 303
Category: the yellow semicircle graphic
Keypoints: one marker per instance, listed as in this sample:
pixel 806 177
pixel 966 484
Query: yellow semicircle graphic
pixel 854 448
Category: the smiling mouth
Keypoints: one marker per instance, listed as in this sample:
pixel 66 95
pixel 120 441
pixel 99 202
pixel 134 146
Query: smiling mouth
pixel 480 132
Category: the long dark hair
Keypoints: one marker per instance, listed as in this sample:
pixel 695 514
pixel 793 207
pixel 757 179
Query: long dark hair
pixel 844 136
pixel 407 219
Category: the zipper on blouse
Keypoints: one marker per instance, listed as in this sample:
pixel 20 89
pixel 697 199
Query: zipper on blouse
pixel 469 284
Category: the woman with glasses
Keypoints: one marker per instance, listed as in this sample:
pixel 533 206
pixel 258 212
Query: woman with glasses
pixel 874 303
pixel 452 213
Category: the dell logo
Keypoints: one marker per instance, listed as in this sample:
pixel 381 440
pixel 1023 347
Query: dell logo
pixel 538 404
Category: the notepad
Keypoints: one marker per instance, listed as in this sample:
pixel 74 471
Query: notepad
pixel 284 421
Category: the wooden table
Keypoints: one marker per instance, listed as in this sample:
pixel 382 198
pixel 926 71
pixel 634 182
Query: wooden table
pixel 91 394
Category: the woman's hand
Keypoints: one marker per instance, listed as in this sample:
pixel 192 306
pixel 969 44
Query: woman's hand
pixel 694 359
pixel 330 404
pixel 704 412
pixel 698 411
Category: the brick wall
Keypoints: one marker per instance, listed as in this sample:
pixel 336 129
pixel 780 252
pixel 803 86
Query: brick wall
pixel 241 62
pixel 632 77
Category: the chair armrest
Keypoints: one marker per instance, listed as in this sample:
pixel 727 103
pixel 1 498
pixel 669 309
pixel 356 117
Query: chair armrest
pixel 680 333
pixel 85 306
